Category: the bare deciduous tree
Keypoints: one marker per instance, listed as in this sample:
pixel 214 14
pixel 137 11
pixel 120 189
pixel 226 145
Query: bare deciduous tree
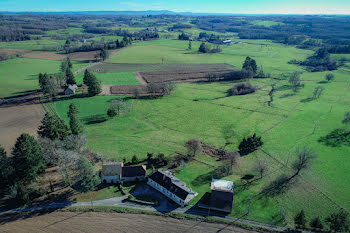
pixel 261 166
pixel 304 160
pixel 194 147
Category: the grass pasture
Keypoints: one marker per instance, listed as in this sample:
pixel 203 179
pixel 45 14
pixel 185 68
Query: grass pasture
pixel 19 76
pixel 202 110
pixel 273 57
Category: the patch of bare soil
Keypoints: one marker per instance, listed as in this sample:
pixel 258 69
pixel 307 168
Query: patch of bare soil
pixel 138 90
pixel 107 67
pixel 18 119
pixel 13 51
pixel 190 73
pixel 140 78
pixel 78 56
pixel 217 152
pixel 106 222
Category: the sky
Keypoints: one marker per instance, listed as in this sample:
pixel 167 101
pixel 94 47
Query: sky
pixel 198 6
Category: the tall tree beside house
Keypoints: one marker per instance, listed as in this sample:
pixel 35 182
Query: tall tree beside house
pixel 75 125
pixel 53 127
pixel 70 79
pixel 104 53
pixel 51 86
pixel 6 169
pixel 94 86
pixel 27 160
pixel 66 64
pixel 87 179
pixel 43 78
pixel 87 77
pixel 250 64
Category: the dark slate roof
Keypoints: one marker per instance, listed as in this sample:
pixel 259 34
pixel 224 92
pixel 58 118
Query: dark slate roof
pixel 134 171
pixel 171 183
pixel 221 200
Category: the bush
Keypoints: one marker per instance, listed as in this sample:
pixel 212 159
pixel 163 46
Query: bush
pixel 111 112
pixel 241 89
pixel 329 77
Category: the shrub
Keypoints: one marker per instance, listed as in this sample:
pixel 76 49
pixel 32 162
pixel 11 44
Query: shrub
pixel 329 77
pixel 241 89
pixel 111 112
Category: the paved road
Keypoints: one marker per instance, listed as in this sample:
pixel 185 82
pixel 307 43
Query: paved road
pixel 120 202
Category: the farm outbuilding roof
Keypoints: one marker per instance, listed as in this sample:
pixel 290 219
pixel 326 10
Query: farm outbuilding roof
pixel 221 200
pixel 111 169
pixel 171 183
pixel 134 171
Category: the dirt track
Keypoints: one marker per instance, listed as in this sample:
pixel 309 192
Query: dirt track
pixel 15 120
pixel 106 222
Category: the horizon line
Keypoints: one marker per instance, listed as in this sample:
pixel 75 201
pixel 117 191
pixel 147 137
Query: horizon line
pixel 176 12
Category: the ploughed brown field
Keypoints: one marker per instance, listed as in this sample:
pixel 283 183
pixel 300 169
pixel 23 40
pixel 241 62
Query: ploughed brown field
pixel 78 56
pixel 187 73
pixel 107 67
pixel 106 222
pixel 13 51
pixel 15 120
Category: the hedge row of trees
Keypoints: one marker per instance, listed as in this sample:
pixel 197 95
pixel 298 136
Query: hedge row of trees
pixel 338 222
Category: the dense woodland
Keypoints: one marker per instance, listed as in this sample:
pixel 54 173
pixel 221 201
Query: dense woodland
pixel 308 32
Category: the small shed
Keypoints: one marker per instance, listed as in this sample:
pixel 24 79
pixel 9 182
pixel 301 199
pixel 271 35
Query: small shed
pixel 71 89
pixel 221 197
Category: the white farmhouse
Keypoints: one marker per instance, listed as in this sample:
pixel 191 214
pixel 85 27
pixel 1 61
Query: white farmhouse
pixel 172 187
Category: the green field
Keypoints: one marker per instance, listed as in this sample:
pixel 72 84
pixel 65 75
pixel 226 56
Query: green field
pixel 273 58
pixel 121 78
pixel 20 75
pixel 43 44
pixel 164 125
